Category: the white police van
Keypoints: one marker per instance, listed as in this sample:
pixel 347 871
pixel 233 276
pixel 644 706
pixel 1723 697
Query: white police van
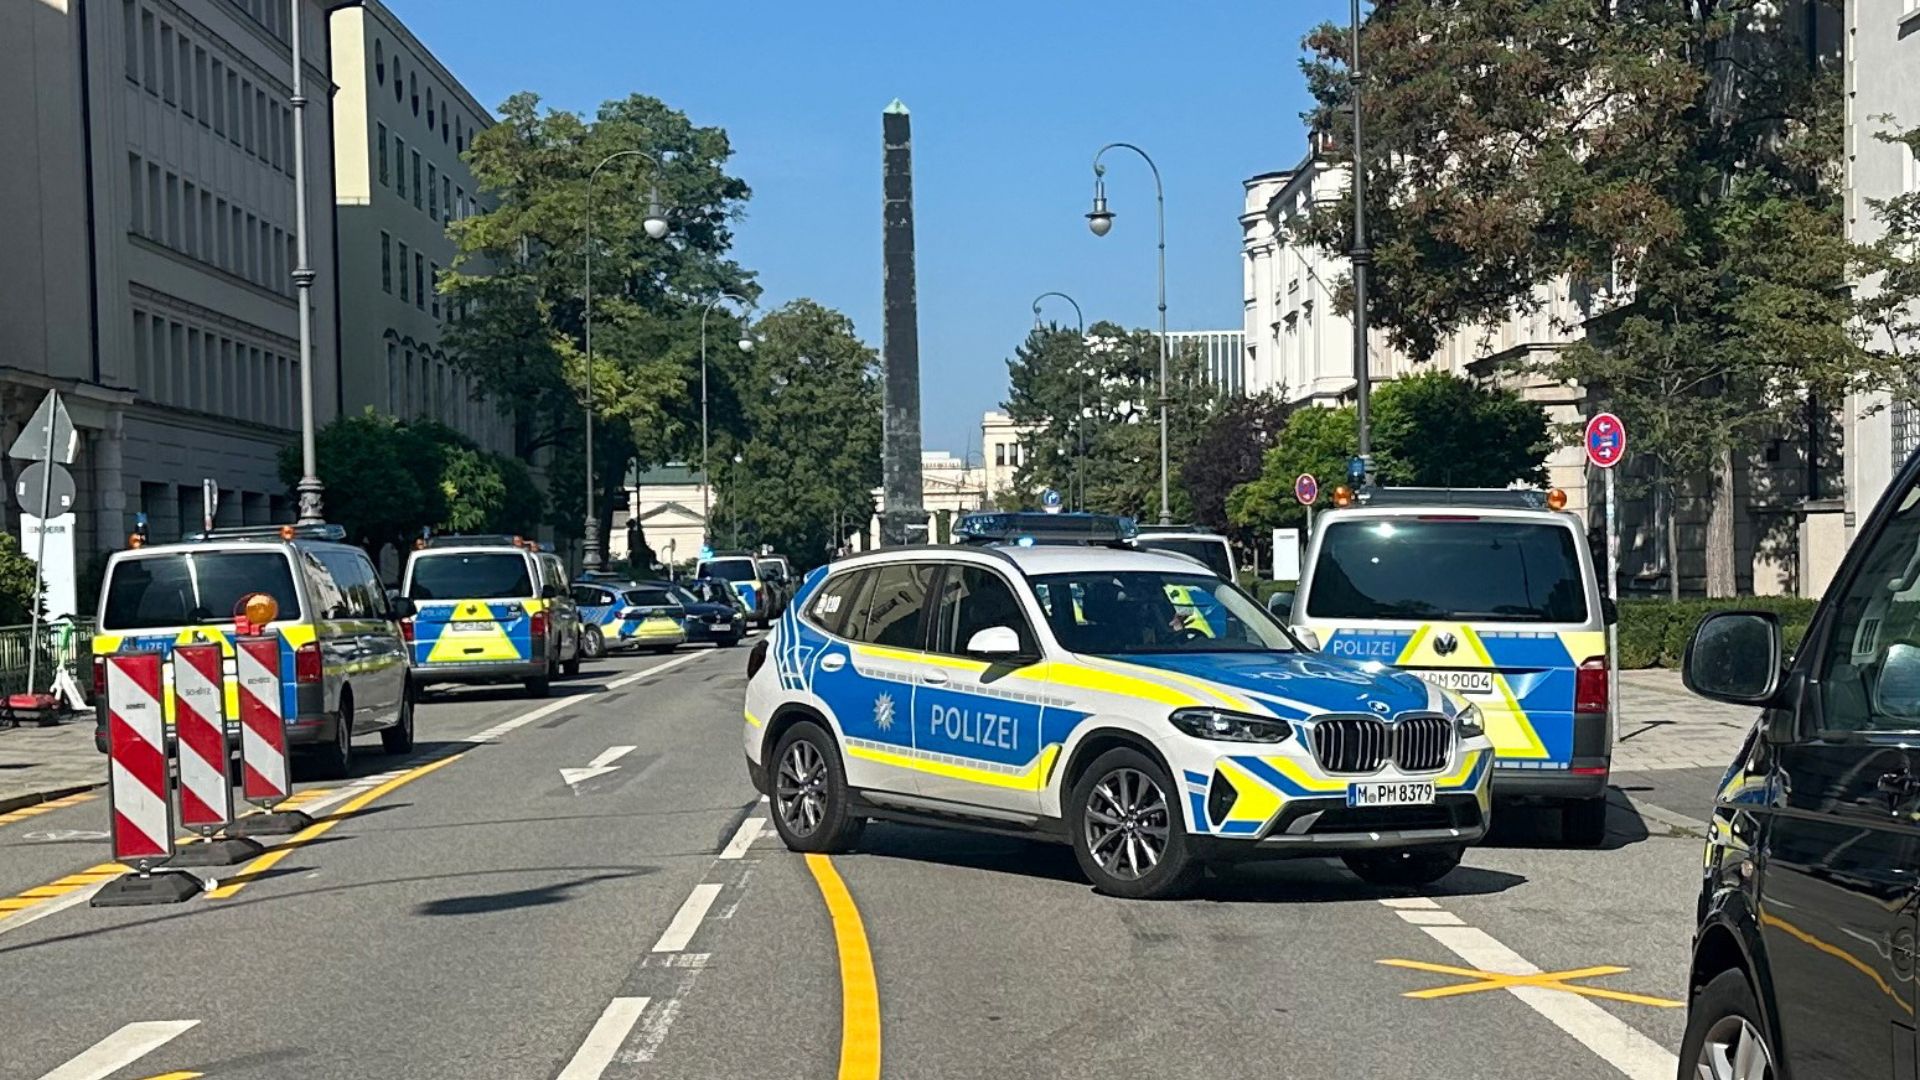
pixel 1046 683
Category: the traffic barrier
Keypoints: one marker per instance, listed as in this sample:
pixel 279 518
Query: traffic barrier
pixel 206 781
pixel 265 777
pixel 139 785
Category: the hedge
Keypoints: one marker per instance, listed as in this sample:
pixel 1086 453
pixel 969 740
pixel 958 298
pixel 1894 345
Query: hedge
pixel 1654 633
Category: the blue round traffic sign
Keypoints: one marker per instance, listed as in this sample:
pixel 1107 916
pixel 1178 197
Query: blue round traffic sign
pixel 1356 468
pixel 1050 501
pixel 1606 440
pixel 1306 489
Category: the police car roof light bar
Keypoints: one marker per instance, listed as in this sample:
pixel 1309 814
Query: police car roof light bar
pixel 475 540
pixel 1480 498
pixel 331 533
pixel 1026 528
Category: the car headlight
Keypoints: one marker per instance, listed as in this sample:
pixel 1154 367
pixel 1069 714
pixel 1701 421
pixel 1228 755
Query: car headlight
pixel 1231 726
pixel 1469 723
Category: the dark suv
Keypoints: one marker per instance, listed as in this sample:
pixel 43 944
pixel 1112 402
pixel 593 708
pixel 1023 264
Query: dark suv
pixel 1804 951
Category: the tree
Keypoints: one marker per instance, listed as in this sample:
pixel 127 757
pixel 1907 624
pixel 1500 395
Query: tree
pixel 1678 160
pixel 517 284
pixel 1316 441
pixel 19 584
pixel 1230 451
pixel 814 455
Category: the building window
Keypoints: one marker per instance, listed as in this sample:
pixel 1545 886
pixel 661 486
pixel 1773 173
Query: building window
pixel 381 133
pixel 393 379
pixel 149 54
pixel 430 112
pixel 419 281
pixel 406 290
pixel 379 62
pixel 433 192
pixel 217 87
pixel 433 282
pixel 446 195
pixel 166 63
pixel 204 92
pixel 234 96
pixel 417 194
pixel 136 195
pixel 1000 453
pixel 400 162
pixel 413 92
pixel 386 262
pixel 462 194
pixel 130 33
pixel 185 48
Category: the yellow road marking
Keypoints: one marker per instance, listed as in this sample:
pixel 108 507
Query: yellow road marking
pixel 859 993
pixel 261 864
pixel 37 809
pixel 177 1076
pixel 1551 980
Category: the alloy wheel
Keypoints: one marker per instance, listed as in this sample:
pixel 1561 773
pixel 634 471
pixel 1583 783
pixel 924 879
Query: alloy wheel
pixel 1733 1050
pixel 1126 824
pixel 801 788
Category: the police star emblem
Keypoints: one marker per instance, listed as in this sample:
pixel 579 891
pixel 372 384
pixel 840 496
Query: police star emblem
pixel 883 712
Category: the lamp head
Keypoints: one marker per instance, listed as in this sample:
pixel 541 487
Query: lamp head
pixel 1100 219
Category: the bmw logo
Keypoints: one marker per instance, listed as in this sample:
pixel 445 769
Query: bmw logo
pixel 1445 644
pixel 1380 707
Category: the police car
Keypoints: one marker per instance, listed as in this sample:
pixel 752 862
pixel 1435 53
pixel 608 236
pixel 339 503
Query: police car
pixel 1049 686
pixel 490 609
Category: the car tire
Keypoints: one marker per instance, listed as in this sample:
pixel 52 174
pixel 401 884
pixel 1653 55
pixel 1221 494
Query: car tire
pixel 335 760
pixel 1125 796
pixel 541 685
pixel 593 644
pixel 398 739
pixel 1723 1023
pixel 571 667
pixel 1583 822
pixel 1406 866
pixel 729 641
pixel 812 808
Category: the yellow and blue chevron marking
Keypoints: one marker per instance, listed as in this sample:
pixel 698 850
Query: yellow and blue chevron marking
pixel 1265 784
pixel 501 631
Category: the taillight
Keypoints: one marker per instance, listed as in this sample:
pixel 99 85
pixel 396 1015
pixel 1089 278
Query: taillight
pixel 99 676
pixel 406 630
pixel 1590 686
pixel 756 658
pixel 539 624
pixel 306 663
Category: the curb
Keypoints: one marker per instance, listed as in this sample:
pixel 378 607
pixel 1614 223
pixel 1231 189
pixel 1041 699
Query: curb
pixel 1656 813
pixel 32 798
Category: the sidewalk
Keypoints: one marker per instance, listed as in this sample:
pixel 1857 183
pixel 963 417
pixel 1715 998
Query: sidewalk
pixel 39 763
pixel 1665 726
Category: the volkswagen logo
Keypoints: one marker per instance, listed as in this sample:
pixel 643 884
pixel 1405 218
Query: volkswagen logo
pixel 1445 644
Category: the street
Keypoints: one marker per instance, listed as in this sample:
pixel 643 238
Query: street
pixel 470 912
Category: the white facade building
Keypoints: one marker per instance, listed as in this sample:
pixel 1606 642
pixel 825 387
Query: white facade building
pixel 147 216
pixel 401 123
pixel 948 485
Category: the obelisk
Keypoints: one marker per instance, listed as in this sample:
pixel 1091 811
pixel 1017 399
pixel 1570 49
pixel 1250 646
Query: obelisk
pixel 904 517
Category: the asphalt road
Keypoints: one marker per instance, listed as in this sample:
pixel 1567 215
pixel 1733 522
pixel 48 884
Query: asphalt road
pixel 480 916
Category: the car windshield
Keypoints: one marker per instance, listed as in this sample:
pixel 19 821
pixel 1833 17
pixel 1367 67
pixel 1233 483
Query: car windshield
pixel 1482 568
pixel 186 588
pixel 1151 611
pixel 470 575
pixel 1208 550
pixel 647 598
pixel 741 569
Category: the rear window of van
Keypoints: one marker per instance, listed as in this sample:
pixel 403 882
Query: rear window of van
pixel 182 588
pixel 1499 570
pixel 470 575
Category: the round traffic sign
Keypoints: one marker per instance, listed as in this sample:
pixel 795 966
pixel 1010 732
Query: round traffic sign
pixel 1050 501
pixel 1306 489
pixel 1606 440
pixel 32 488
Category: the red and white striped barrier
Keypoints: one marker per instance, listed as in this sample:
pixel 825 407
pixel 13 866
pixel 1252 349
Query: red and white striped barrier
pixel 200 729
pixel 137 760
pixel 263 730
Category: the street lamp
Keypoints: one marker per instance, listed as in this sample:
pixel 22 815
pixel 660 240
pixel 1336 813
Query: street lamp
pixel 746 345
pixel 1079 418
pixel 1100 220
pixel 733 477
pixel 655 226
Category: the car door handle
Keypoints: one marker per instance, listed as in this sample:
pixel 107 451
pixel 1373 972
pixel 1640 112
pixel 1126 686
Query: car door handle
pixel 934 678
pixel 832 662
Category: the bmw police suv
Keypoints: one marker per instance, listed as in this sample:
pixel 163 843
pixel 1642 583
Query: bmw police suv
pixel 1129 703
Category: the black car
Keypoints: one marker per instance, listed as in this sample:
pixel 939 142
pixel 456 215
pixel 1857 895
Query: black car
pixel 714 610
pixel 1804 950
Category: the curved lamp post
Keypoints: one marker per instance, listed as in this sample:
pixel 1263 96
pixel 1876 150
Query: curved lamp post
pixel 746 345
pixel 1100 220
pixel 655 224
pixel 1079 419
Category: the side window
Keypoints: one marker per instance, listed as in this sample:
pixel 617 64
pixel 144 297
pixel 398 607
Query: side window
pixel 836 600
pixel 972 599
pixel 894 603
pixel 584 595
pixel 1870 671
pixel 332 598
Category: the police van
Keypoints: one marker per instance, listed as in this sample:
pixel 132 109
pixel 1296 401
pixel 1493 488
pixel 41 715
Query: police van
pixel 743 572
pixel 1488 594
pixel 343 661
pixel 490 609
pixel 1049 687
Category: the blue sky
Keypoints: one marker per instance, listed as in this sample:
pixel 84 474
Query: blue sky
pixel 1009 100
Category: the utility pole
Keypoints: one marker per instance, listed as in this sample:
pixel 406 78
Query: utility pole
pixel 1362 256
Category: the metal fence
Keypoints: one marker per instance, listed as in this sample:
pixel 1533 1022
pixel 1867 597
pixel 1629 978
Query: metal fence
pixel 14 642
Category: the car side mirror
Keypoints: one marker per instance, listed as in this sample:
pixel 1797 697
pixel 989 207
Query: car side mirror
pixel 402 607
pixel 1896 693
pixel 1309 640
pixel 549 591
pixel 1280 602
pixel 1734 656
pixel 1609 611
pixel 999 642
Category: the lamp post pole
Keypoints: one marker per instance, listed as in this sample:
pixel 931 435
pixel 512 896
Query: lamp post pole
pixel 311 492
pixel 746 345
pixel 1079 418
pixel 1362 256
pixel 1100 220
pixel 656 227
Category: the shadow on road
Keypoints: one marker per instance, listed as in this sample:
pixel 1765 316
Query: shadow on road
pixel 543 896
pixel 1525 826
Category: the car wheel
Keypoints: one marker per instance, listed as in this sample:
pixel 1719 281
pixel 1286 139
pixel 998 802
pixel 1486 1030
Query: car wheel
pixel 1127 832
pixel 571 667
pixel 1407 866
pixel 335 760
pixel 542 685
pixel 812 808
pixel 398 739
pixel 593 644
pixel 1583 822
pixel 729 641
pixel 1723 1040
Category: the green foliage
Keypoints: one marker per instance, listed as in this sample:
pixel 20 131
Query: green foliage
pixel 1229 452
pixel 814 458
pixel 1654 633
pixel 1317 441
pixel 1889 310
pixel 19 584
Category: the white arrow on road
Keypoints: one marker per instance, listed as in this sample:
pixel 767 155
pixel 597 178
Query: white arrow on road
pixel 599 766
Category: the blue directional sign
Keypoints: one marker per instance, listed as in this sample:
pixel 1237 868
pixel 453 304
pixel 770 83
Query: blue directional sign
pixel 1050 501
pixel 1356 469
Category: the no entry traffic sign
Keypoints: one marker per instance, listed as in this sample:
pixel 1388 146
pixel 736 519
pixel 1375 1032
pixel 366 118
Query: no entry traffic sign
pixel 1306 489
pixel 1606 440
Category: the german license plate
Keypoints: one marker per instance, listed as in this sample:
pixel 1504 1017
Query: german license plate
pixel 1471 683
pixel 1391 793
pixel 472 627
pixel 723 626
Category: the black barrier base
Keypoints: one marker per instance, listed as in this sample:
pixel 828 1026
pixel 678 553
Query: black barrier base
pixel 223 852
pixel 159 888
pixel 278 823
